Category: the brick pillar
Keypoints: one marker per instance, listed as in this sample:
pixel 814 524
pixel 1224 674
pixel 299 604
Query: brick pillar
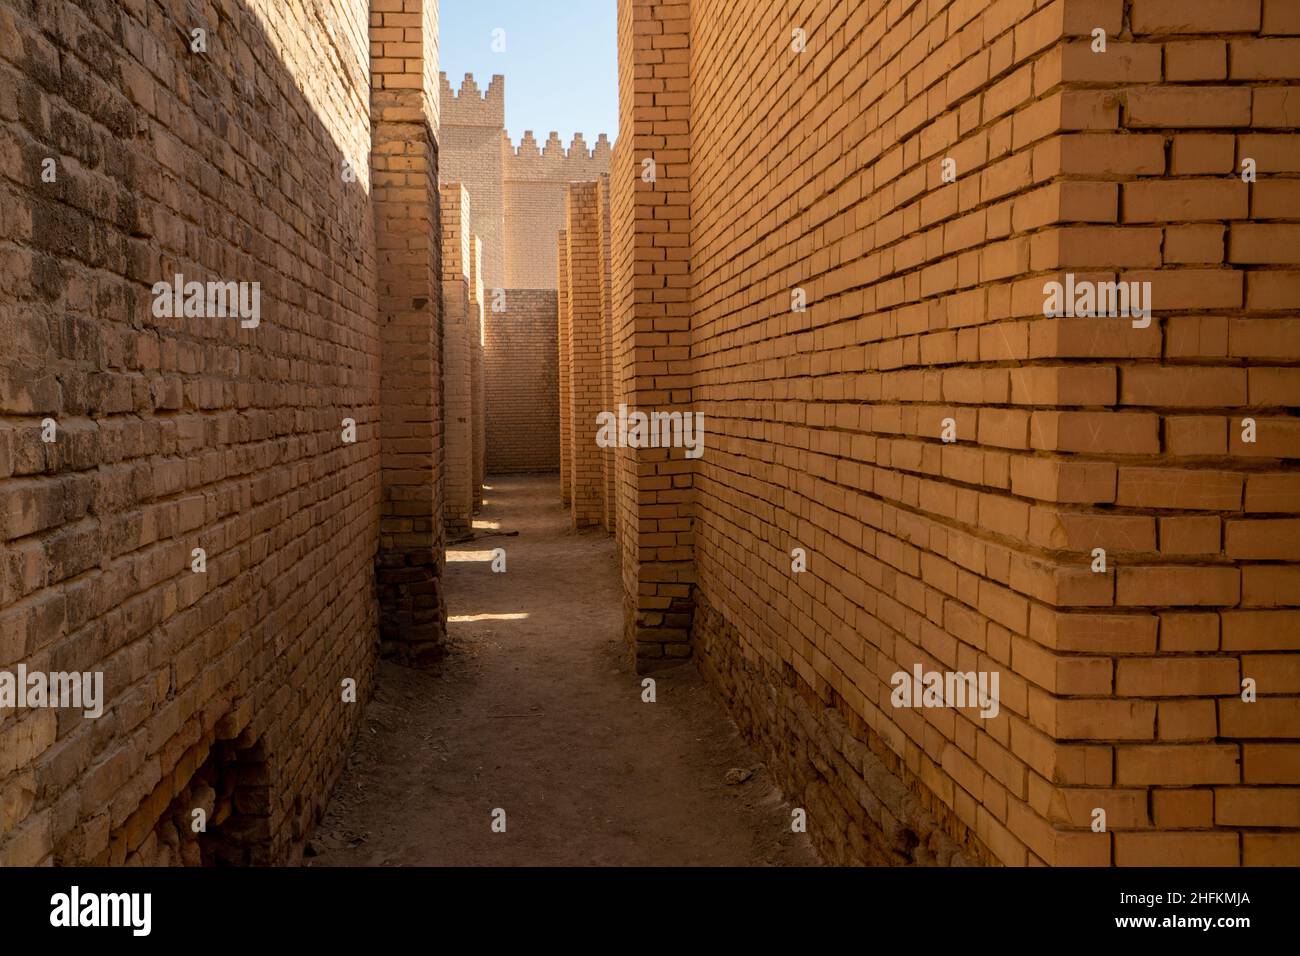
pixel 563 320
pixel 457 371
pixel 478 392
pixel 404 161
pixel 608 462
pixel 650 238
pixel 1137 434
pixel 585 371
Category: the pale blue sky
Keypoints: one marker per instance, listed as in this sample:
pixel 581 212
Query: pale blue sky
pixel 560 61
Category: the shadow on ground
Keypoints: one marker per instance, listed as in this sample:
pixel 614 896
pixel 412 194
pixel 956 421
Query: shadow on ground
pixel 537 711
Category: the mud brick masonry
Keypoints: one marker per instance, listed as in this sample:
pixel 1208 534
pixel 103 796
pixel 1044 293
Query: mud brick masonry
pixel 299 151
pixel 777 240
pixel 821 171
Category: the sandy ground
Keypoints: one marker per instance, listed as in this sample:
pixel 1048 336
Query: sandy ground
pixel 537 711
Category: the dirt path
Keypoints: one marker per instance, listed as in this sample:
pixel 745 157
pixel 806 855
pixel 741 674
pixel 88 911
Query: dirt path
pixel 537 711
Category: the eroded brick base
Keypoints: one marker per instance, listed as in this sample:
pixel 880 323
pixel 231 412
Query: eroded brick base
pixel 864 807
pixel 413 611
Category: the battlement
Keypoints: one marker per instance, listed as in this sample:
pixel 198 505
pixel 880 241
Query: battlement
pixel 468 107
pixel 517 192
pixel 551 161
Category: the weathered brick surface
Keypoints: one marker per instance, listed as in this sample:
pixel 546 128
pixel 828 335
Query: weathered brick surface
pixel 822 171
pixel 748 174
pixel 408 239
pixel 650 321
pixel 586 355
pixel 523 421
pixel 478 383
pixel 604 251
pixel 583 400
pixel 459 326
pixel 849 781
pixel 190 432
pixel 564 360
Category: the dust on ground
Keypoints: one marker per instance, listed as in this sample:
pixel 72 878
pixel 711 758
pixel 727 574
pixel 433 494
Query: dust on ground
pixel 536 711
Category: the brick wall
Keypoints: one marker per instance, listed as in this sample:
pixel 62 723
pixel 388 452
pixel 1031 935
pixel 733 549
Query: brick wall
pixel 564 339
pixel 823 171
pixel 521 355
pixel 586 355
pixel 1205 525
pixel 583 319
pixel 408 243
pixel 623 250
pixel 604 251
pixel 478 384
pixel 534 184
pixel 469 138
pixel 457 357
pixel 182 433
pixel 650 322
pixel 537 214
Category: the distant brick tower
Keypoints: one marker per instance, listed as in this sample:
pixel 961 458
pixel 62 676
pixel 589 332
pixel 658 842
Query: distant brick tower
pixel 515 197
pixel 471 127
pixel 517 194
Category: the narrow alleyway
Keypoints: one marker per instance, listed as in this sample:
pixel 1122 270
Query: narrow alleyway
pixel 537 712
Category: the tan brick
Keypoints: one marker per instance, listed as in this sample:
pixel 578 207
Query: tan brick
pixel 1265 539
pixel 1270 763
pixel 1205 106
pixel 1280 17
pixel 1183 809
pixel 1189 631
pixel 1184 720
pixel 1208 16
pixel 1181 586
pixel 1177 488
pixel 1270 849
pixel 1176 677
pixel 1190 535
pixel 1182 387
pixel 1261 630
pixel 1194 60
pixel 1177 849
pixel 1264 59
pixel 1240 806
pixel 1185 200
pixel 1266 718
pixel 1263 243
pixel 1202 153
